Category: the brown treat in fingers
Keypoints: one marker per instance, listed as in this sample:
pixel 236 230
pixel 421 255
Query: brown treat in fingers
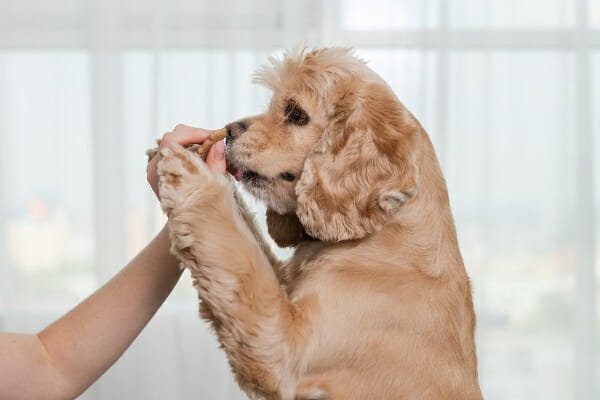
pixel 202 149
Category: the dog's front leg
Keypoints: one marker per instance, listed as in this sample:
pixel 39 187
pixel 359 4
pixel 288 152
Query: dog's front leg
pixel 234 278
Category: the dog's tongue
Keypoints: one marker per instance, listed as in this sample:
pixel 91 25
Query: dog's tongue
pixel 236 172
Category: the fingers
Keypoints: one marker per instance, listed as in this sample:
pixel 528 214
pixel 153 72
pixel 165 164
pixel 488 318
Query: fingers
pixel 184 135
pixel 215 160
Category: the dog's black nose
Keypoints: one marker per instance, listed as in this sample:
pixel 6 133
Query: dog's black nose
pixel 235 129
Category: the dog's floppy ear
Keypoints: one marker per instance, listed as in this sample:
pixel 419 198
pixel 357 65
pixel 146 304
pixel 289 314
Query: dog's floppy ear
pixel 362 169
pixel 286 230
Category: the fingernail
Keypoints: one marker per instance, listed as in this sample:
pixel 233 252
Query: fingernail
pixel 219 150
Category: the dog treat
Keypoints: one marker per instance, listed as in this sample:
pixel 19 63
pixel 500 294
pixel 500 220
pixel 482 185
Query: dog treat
pixel 215 136
pixel 202 149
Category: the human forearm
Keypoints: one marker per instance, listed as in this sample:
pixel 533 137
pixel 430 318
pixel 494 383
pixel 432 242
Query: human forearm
pixel 65 358
pixel 89 339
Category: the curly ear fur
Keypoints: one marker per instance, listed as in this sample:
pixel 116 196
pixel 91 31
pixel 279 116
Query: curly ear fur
pixel 363 168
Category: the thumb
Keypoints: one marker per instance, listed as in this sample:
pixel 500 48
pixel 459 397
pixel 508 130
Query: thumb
pixel 215 160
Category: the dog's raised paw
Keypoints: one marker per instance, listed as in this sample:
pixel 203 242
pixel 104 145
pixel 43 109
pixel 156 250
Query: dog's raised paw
pixel 181 173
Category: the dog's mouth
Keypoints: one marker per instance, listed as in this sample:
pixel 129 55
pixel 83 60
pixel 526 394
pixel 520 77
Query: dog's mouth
pixel 276 192
pixel 252 178
pixel 245 175
pixel 249 176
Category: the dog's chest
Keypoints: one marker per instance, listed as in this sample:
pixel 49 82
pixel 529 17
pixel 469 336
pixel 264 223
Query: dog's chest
pixel 310 264
pixel 296 272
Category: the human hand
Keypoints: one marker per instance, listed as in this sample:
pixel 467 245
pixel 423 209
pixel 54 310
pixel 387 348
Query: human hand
pixel 185 135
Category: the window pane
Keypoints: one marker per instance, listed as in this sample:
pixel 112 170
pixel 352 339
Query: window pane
pixel 595 105
pixel 413 14
pixel 388 14
pixel 511 184
pixel 526 14
pixel 37 15
pixel 411 74
pixel 594 13
pixel 46 162
pixel 257 14
pixel 144 217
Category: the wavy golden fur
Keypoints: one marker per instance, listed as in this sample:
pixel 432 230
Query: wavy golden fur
pixel 375 303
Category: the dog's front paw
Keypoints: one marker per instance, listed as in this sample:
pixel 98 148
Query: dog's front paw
pixel 184 180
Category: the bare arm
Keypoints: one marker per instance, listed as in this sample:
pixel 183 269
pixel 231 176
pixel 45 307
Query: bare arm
pixel 68 356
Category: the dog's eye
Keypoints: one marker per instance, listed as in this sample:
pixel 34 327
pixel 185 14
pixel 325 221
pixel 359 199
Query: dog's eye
pixel 295 114
pixel 288 176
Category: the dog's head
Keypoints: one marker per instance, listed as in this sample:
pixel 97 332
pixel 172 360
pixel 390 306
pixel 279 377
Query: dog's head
pixel 334 155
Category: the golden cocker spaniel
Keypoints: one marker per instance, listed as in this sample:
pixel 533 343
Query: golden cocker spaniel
pixel 375 302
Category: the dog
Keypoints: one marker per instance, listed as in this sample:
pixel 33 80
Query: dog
pixel 375 302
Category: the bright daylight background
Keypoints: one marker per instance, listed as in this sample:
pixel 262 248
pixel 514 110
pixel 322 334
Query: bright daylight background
pixel 508 89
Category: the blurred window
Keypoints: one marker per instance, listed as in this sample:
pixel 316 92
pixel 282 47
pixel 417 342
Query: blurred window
pixel 507 89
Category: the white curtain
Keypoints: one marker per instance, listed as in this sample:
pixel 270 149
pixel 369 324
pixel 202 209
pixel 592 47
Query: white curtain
pixel 508 90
